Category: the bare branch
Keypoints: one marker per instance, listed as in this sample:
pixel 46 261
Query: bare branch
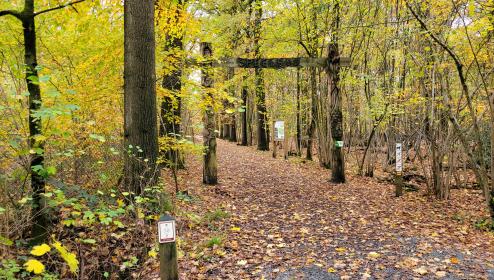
pixel 436 38
pixel 58 7
pixel 11 13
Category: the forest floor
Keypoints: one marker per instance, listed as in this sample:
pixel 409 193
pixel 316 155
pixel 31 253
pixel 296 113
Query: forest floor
pixel 287 221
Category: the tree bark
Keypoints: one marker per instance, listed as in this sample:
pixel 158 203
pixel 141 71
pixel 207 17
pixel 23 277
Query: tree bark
pixel 312 127
pixel 262 138
pixel 299 125
pixel 39 230
pixel 337 158
pixel 140 113
pixel 243 115
pixel 210 167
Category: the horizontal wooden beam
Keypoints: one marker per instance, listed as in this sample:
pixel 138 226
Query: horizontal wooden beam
pixel 277 63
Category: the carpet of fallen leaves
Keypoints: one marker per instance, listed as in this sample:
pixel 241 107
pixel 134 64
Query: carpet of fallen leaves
pixel 287 221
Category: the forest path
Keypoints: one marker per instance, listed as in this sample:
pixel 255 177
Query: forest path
pixel 288 222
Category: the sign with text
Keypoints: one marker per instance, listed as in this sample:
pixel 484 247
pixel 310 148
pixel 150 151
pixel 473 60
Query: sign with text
pixel 166 231
pixel 279 130
pixel 399 159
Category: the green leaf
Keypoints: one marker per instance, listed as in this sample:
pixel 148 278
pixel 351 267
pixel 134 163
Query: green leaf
pixel 88 241
pixel 51 170
pixel 45 78
pixel 5 241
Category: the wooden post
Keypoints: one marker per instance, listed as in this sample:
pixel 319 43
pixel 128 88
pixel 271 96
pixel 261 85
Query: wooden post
pixel 399 170
pixel 285 147
pixel 168 248
pixel 275 146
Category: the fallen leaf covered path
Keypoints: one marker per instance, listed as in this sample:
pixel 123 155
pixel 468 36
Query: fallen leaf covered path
pixel 287 221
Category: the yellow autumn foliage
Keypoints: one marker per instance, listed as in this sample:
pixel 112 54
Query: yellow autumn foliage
pixel 34 266
pixel 68 257
pixel 40 250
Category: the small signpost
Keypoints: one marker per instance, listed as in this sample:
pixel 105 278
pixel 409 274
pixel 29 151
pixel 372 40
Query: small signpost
pixel 168 248
pixel 279 130
pixel 399 170
pixel 399 159
pixel 279 136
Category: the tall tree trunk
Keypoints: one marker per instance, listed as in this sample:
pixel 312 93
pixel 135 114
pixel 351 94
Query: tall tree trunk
pixel 337 158
pixel 39 230
pixel 171 105
pixel 233 122
pixel 262 137
pixel 140 114
pixel 243 115
pixel 210 167
pixel 299 125
pixel 312 127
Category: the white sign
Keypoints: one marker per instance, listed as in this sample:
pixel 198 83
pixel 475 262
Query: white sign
pixel 166 231
pixel 399 160
pixel 279 130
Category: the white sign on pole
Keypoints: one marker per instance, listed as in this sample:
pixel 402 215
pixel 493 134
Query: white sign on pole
pixel 399 159
pixel 166 231
pixel 279 130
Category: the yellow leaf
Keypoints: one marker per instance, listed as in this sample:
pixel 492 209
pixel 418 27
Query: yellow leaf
pixel 454 260
pixel 220 252
pixel 235 229
pixel 68 257
pixel 340 250
pixel 331 270
pixel 152 254
pixel 373 255
pixel 34 266
pixel 40 250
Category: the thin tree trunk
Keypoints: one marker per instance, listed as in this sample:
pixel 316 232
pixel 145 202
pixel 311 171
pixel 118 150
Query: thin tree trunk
pixel 171 105
pixel 243 115
pixel 262 137
pixel 312 127
pixel 39 230
pixel 299 125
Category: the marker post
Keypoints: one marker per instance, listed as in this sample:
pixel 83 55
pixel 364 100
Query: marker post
pixel 168 248
pixel 399 171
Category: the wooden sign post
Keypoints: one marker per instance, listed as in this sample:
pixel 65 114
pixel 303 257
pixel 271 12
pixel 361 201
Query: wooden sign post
pixel 399 170
pixel 168 248
pixel 278 135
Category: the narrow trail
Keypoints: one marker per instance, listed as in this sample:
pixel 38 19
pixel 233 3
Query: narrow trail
pixel 288 222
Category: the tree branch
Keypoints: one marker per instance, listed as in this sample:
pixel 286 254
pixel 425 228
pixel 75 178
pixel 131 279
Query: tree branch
pixel 58 7
pixel 435 38
pixel 11 13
